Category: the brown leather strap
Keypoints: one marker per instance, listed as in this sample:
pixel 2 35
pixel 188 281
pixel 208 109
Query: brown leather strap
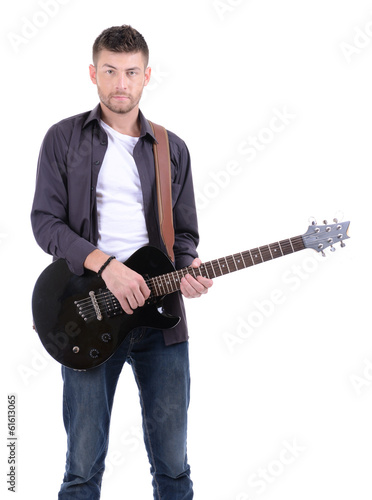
pixel 164 186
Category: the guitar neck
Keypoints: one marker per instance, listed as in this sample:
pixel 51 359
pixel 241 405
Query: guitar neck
pixel 169 283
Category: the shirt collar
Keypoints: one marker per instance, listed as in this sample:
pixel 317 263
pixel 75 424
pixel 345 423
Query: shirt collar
pixel 95 115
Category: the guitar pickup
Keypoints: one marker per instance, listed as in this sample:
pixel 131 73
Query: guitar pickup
pixel 111 304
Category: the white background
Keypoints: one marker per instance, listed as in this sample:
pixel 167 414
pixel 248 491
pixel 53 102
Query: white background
pixel 281 391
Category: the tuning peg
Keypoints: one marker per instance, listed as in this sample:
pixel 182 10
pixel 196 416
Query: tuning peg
pixel 325 222
pixel 335 220
pixel 332 249
pixel 312 221
pixel 320 247
pixel 341 241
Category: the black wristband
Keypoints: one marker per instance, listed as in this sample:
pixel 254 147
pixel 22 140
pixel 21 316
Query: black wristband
pixel 105 265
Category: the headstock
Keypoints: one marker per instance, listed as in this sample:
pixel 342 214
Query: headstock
pixel 319 237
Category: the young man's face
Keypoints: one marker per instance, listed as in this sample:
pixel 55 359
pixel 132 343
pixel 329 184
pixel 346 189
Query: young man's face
pixel 120 78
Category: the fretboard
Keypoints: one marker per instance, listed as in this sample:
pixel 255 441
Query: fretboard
pixel 169 283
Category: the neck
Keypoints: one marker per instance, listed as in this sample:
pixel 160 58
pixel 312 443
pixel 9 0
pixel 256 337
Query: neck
pixel 171 282
pixel 124 123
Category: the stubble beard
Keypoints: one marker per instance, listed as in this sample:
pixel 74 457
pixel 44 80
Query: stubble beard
pixel 119 108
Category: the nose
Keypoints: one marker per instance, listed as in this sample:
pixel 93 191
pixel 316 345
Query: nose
pixel 122 81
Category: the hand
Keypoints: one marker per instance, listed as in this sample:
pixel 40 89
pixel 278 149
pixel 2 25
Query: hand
pixel 191 287
pixel 128 286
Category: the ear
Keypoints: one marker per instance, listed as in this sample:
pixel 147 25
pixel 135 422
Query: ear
pixel 147 75
pixel 92 74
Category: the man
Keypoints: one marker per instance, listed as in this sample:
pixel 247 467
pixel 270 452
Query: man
pixel 96 198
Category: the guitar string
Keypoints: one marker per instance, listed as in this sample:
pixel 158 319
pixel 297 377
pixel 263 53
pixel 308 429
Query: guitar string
pixel 170 282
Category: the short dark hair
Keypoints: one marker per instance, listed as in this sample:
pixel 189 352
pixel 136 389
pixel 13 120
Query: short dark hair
pixel 121 39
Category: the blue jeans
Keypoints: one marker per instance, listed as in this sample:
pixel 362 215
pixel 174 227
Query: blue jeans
pixel 162 376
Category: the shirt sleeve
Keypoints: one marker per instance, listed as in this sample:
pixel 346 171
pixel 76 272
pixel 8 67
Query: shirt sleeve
pixel 184 210
pixel 49 215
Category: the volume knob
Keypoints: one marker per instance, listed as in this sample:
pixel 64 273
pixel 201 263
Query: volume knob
pixel 94 353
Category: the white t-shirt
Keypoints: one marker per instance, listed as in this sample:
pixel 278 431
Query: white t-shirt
pixel 121 221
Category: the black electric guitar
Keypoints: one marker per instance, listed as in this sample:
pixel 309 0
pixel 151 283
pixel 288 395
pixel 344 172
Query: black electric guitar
pixel 81 323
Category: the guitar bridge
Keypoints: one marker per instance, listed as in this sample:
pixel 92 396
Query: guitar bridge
pixel 89 308
pixel 97 310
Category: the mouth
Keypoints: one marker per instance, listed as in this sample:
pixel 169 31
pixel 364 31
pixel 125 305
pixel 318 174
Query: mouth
pixel 120 97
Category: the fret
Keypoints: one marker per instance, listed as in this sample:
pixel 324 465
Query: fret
pixel 239 261
pixel 167 282
pixel 276 250
pixel 247 257
pixel 286 247
pixel 224 266
pixel 174 285
pixel 229 263
pixel 298 243
pixel 260 254
pixel 265 253
pixel 256 256
pixel 159 282
pixel 163 284
pixel 219 267
pixel 233 261
pixel 195 272
pixel 241 255
pixel 209 269
pixel 154 288
pixel 203 268
pixel 213 269
pixel 150 284
pixel 179 277
pixel 251 256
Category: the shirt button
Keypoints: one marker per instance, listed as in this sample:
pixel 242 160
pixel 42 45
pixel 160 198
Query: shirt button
pixel 97 162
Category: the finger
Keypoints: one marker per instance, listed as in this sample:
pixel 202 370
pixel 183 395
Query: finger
pixel 129 302
pixel 137 294
pixel 145 290
pixel 134 301
pixel 126 307
pixel 206 282
pixel 196 262
pixel 142 294
pixel 200 284
pixel 186 288
pixel 189 293
pixel 191 288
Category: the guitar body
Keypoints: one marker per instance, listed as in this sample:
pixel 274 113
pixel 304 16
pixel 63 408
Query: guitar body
pixel 78 339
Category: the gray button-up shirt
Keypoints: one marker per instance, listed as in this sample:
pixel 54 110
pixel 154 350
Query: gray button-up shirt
pixel 64 212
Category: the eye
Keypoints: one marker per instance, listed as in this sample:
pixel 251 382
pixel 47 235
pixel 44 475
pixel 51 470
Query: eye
pixel 110 72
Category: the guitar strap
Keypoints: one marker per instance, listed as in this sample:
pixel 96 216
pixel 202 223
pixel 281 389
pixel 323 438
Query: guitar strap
pixel 164 186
